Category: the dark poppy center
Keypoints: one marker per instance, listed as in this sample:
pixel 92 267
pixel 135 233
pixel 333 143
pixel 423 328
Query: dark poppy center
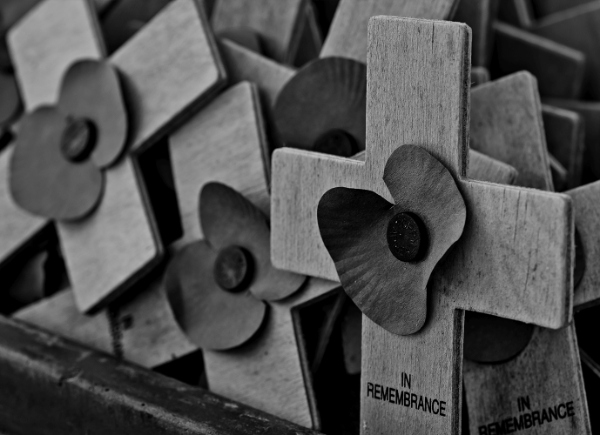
pixel 579 259
pixel 79 139
pixel 337 143
pixel 233 269
pixel 407 237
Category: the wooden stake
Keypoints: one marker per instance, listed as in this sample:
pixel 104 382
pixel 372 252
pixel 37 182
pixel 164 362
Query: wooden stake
pixel 429 61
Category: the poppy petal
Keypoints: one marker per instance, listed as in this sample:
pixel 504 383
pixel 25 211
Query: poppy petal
pixel 91 89
pixel 327 94
pixel 211 317
pixel 353 225
pixel 44 182
pixel 354 228
pixel 229 219
pixel 491 339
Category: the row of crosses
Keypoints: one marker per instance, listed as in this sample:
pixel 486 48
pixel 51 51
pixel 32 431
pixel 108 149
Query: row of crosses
pixel 510 251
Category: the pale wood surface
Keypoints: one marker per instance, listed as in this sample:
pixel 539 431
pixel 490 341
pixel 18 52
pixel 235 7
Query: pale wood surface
pixel 565 139
pixel 143 330
pixel 485 168
pixel 506 123
pixel 577 28
pixel 590 113
pixel 558 68
pixel 168 78
pixel 278 22
pixel 225 142
pixel 347 35
pixel 478 14
pixel 493 390
pixel 17 227
pixel 270 372
pixel 106 252
pixel 245 65
pixel 548 371
pixel 47 41
pixel 586 200
pixel 516 282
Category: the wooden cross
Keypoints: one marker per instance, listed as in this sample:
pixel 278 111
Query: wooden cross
pixel 508 126
pixel 166 79
pixel 270 372
pixel 494 268
pixel 202 150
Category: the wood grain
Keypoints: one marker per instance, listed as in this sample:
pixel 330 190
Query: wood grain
pixel 548 372
pixel 478 15
pixel 142 331
pixel 516 282
pixel 558 68
pixel 506 124
pixel 52 377
pixel 111 249
pixel 46 43
pixel 587 217
pixel 168 79
pixel 163 87
pixel 347 35
pixel 278 22
pixel 565 137
pixel 17 227
pixel 590 114
pixel 485 168
pixel 270 372
pixel 493 390
pixel 576 28
pixel 226 143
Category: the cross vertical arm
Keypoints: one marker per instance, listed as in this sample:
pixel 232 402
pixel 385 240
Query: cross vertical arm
pixel 41 58
pixel 347 36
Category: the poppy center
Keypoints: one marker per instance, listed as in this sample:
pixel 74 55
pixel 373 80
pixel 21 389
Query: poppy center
pixel 233 269
pixel 579 259
pixel 79 139
pixel 407 237
pixel 336 143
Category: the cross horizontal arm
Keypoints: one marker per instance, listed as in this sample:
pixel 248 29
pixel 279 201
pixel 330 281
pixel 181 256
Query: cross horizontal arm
pixel 515 256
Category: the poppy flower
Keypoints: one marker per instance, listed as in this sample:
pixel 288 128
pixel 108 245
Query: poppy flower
pixel 385 253
pixel 219 287
pixel 61 151
pixel 323 107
